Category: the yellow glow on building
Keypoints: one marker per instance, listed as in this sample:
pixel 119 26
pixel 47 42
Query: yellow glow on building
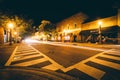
pixel 72 30
pixel 99 23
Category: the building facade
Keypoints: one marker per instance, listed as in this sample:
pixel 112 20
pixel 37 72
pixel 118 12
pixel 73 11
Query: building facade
pixel 74 30
pixel 68 29
pixel 1 35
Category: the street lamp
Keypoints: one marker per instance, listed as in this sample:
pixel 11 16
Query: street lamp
pixel 10 26
pixel 15 33
pixel 99 31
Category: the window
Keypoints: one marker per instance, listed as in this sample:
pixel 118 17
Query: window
pixel 75 25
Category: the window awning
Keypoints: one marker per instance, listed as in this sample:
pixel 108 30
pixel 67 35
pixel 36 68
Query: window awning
pixel 113 29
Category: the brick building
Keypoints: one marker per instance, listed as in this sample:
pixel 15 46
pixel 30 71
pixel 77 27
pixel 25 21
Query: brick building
pixel 68 29
pixel 73 29
pixel 1 35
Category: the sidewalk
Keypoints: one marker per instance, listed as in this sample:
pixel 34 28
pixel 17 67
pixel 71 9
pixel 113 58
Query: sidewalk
pixel 105 46
pixel 94 45
pixel 6 51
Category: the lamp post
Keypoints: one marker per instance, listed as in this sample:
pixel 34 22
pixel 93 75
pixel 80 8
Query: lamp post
pixel 15 33
pixel 10 25
pixel 99 31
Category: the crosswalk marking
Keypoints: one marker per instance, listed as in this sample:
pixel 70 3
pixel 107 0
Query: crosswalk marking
pixel 11 57
pixel 23 54
pixel 32 62
pixel 52 61
pixel 114 53
pixel 26 57
pixel 95 73
pixel 110 57
pixel 106 63
pixel 51 67
pixel 92 71
pixel 23 49
pixel 28 51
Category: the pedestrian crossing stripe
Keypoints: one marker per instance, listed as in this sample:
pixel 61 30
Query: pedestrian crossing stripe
pixel 32 62
pixel 113 53
pixel 49 59
pixel 51 67
pixel 11 57
pixel 110 57
pixel 81 65
pixel 26 51
pixel 23 54
pixel 26 57
pixel 107 63
pixel 91 71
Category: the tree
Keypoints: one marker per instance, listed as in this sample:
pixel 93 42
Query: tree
pixel 22 26
pixel 48 28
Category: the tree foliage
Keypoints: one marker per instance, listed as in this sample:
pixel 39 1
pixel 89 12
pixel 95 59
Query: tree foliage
pixel 22 26
pixel 47 27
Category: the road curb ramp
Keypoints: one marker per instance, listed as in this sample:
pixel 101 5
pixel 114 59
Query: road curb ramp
pixel 27 73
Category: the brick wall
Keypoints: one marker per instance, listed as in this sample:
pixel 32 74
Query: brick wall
pixel 1 35
pixel 72 22
pixel 106 22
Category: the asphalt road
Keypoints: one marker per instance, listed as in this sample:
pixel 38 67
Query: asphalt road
pixel 5 53
pixel 65 55
pixel 84 63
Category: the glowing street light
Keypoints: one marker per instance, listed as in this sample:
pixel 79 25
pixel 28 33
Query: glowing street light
pixel 15 33
pixel 10 26
pixel 100 35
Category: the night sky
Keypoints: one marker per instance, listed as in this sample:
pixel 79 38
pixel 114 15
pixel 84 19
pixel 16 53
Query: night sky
pixel 57 10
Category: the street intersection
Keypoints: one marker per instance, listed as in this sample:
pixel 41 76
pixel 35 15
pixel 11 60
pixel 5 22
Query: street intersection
pixel 90 68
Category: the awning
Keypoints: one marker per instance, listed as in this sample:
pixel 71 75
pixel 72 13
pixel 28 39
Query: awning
pixel 113 29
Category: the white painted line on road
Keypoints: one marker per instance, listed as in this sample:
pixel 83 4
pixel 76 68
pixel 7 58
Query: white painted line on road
pixel 114 53
pixel 23 48
pixel 51 67
pixel 52 61
pixel 24 53
pixel 106 63
pixel 111 57
pixel 11 57
pixel 83 62
pixel 93 72
pixel 93 57
pixel 68 68
pixel 31 62
pixel 18 51
pixel 26 57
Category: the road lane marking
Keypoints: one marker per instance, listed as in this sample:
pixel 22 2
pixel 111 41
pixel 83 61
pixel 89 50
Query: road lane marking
pixel 55 66
pixel 32 62
pixel 23 49
pixel 93 72
pixel 111 57
pixel 106 63
pixel 83 62
pixel 23 54
pixel 51 67
pixel 114 53
pixel 26 51
pixel 11 57
pixel 25 57
pixel 52 61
